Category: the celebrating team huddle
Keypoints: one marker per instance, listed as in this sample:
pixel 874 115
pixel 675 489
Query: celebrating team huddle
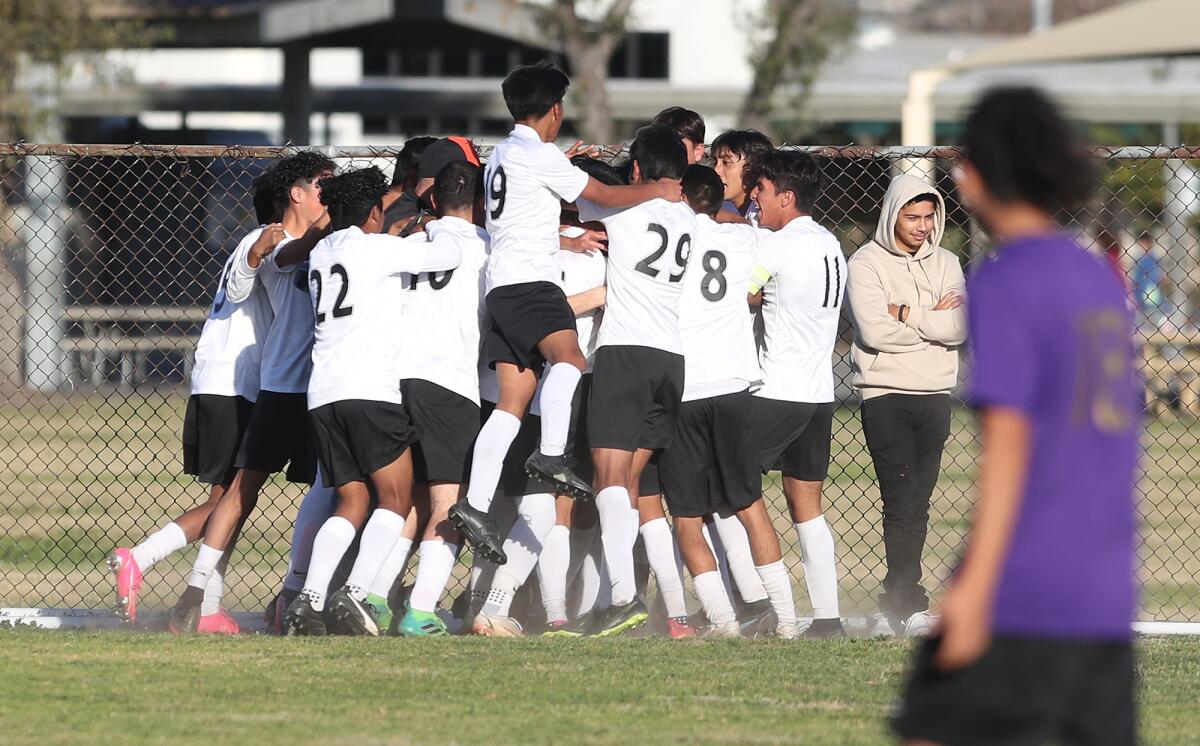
pixel 563 351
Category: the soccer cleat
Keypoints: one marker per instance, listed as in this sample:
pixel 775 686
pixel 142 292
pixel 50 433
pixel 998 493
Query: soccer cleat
pixel 220 623
pixel 824 629
pixel 282 602
pixel 582 626
pixel 555 626
pixel 920 624
pixel 185 615
pixel 302 620
pixel 383 612
pixel 487 625
pixel 728 631
pixel 618 619
pixel 560 471
pixel 128 577
pixel 350 616
pixel 479 530
pixel 757 620
pixel 422 624
pixel 679 629
pixel 787 632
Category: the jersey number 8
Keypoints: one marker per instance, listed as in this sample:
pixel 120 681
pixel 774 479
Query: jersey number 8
pixel 338 310
pixel 646 265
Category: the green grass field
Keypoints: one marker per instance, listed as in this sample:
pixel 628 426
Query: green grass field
pixel 61 687
pixel 82 473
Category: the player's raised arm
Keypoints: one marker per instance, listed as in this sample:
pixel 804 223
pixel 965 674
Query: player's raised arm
pixel 240 281
pixel 615 197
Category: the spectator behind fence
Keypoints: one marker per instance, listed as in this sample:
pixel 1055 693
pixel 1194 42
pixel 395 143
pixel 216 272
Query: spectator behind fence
pixel 906 302
pixel 1147 280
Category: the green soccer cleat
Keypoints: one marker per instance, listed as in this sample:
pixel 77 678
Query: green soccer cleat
pixel 383 612
pixel 422 624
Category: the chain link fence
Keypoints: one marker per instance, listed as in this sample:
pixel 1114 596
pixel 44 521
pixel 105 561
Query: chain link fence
pixel 109 259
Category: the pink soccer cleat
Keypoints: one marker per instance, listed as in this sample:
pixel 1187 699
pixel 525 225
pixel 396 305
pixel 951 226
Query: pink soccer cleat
pixel 218 624
pixel 128 577
pixel 678 628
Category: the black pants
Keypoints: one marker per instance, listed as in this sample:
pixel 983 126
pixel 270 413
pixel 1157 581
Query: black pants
pixel 905 435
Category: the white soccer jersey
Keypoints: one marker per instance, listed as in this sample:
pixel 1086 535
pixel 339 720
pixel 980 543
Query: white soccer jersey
pixel 648 248
pixel 713 319
pixel 287 349
pixel 801 310
pixel 442 312
pixel 358 295
pixel 229 355
pixel 580 273
pixel 524 181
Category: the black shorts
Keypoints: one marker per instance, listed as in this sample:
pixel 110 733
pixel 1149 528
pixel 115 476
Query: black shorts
pixel 213 427
pixel 793 438
pixel 1023 691
pixel 356 437
pixel 710 465
pixel 447 424
pixel 278 436
pixel 649 484
pixel 519 318
pixel 635 398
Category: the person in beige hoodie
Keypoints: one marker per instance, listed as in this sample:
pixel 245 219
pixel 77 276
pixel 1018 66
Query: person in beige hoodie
pixel 906 300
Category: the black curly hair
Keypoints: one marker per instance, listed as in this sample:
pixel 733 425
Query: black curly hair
pixel 790 171
pixel 286 172
pixel 265 209
pixel 1026 151
pixel 351 196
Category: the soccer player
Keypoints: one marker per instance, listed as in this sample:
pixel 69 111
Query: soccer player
pixel 440 384
pixel 400 204
pixel 277 433
pixel 434 157
pixel 801 273
pixel 906 296
pixel 582 279
pixel 224 385
pixel 688 125
pixel 711 465
pixel 1034 640
pixel 361 429
pixel 638 377
pixel 531 323
pixel 733 152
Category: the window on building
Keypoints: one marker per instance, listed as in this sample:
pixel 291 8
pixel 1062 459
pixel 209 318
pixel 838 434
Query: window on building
pixel 642 56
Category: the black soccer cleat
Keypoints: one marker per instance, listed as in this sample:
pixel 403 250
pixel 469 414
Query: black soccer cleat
pixel 349 616
pixel 479 530
pixel 623 618
pixel 302 620
pixel 824 629
pixel 559 470
pixel 584 625
pixel 757 620
pixel 185 615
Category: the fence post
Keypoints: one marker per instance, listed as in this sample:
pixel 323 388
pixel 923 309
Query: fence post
pixel 45 242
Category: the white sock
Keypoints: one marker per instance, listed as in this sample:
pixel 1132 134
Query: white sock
pixel 820 566
pixel 491 446
pixel 204 566
pixel 778 582
pixel 331 542
pixel 594 588
pixel 713 598
pixel 163 542
pixel 379 537
pixel 660 550
pixel 553 564
pixel 213 591
pixel 391 568
pixel 433 572
pixel 741 560
pixel 713 538
pixel 316 507
pixel 558 392
pixel 618 532
pixel 535 517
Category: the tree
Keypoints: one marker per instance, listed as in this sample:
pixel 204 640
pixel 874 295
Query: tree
pixel 588 46
pixel 789 41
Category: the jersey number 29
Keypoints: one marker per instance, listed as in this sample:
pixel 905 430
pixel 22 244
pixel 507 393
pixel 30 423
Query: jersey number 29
pixel 338 310
pixel 646 265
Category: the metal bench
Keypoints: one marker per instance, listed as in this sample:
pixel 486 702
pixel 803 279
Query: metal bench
pixel 108 342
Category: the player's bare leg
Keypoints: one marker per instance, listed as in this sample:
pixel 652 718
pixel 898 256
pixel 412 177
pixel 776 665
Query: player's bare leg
pixel 702 565
pixel 818 554
pixel 470 515
pixel 438 554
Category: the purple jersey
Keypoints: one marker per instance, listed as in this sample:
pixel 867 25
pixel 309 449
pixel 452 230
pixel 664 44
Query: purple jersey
pixel 1050 335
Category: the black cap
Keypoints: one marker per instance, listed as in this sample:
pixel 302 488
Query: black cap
pixel 444 152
